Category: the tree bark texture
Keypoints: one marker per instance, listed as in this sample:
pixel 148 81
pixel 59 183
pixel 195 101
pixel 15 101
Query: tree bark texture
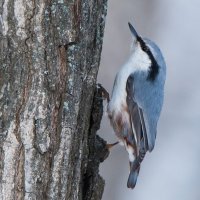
pixel 49 58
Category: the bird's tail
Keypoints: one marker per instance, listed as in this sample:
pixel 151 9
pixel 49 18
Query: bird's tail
pixel 134 169
pixel 132 179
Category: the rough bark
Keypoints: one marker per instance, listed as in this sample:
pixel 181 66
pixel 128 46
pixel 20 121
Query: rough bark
pixel 49 58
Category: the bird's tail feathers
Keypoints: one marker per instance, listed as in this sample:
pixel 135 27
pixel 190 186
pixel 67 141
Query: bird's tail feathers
pixel 135 168
pixel 132 179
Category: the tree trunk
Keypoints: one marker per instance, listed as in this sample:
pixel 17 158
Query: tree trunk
pixel 49 58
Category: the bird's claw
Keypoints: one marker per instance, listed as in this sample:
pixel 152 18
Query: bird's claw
pixel 109 146
pixel 104 92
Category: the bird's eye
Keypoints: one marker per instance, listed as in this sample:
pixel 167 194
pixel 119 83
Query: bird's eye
pixel 145 48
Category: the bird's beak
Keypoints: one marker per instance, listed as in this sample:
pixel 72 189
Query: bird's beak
pixel 133 31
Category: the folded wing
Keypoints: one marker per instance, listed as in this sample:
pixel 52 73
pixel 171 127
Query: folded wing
pixel 136 118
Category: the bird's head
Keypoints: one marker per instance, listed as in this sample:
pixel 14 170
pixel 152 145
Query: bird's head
pixel 145 51
pixel 138 41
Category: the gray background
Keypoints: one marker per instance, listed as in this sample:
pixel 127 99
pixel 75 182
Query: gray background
pixel 172 170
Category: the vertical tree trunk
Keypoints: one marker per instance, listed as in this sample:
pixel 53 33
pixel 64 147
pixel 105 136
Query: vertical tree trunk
pixel 49 58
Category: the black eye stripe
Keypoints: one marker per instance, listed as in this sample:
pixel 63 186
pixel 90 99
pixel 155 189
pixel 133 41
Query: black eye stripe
pixel 154 69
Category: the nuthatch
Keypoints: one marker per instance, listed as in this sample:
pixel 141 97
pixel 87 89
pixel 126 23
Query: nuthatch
pixel 136 101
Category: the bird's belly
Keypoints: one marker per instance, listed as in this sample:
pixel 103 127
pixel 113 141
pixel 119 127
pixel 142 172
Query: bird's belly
pixel 120 121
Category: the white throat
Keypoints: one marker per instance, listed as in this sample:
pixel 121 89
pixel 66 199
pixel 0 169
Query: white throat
pixel 138 61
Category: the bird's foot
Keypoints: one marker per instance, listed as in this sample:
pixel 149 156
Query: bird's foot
pixel 105 94
pixel 109 146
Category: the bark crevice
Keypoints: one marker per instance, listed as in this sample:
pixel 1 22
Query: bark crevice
pixel 93 183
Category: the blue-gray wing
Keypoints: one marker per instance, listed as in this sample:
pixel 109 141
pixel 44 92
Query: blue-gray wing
pixel 145 103
pixel 136 118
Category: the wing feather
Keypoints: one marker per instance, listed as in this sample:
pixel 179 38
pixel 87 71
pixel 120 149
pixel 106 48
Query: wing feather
pixel 136 117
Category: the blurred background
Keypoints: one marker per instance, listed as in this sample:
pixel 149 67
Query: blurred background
pixel 172 170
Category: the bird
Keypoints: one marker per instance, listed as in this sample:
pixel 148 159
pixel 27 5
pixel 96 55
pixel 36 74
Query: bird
pixel 136 101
